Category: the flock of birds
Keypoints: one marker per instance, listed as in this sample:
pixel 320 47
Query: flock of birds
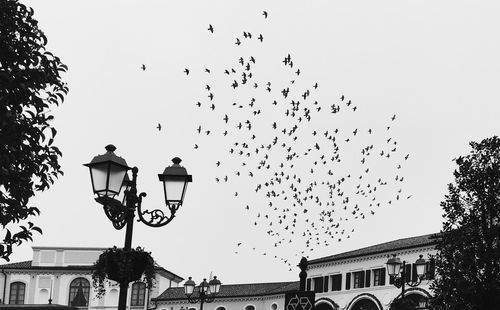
pixel 311 175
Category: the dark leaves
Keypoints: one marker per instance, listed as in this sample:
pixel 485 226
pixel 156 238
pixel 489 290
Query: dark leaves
pixel 30 85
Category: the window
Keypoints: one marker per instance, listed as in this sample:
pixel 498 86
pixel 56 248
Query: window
pixel 379 277
pixel 138 294
pixel 274 306
pixel 79 290
pixel 221 308
pixel 308 284
pixel 359 279
pixel 249 307
pixel 336 282
pixel 17 293
pixel 318 284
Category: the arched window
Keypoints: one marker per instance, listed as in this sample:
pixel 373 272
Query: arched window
pixel 138 294
pixel 274 306
pixel 79 291
pixel 221 308
pixel 17 293
pixel 249 307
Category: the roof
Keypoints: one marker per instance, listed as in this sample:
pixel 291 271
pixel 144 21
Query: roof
pixel 235 290
pixel 391 246
pixel 27 265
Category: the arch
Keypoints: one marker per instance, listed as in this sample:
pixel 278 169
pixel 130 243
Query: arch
pixel 274 306
pixel 112 297
pixel 325 304
pixel 249 307
pixel 79 292
pixel 43 296
pixel 220 308
pixel 365 301
pixel 17 293
pixel 415 294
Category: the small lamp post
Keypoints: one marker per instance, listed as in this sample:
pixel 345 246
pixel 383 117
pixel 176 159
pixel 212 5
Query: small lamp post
pixel 118 196
pixel 397 270
pixel 206 291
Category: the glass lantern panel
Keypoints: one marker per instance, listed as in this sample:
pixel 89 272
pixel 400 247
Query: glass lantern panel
pixel 188 289
pixel 99 174
pixel 174 188
pixel 397 269
pixel 420 269
pixel 116 176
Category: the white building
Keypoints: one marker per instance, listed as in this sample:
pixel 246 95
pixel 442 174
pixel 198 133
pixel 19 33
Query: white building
pixel 354 280
pixel 59 273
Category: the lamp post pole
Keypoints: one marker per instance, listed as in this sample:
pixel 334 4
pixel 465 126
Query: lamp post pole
pixel 109 178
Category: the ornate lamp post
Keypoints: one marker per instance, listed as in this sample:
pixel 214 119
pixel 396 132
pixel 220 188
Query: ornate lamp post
pixel 397 270
pixel 206 291
pixel 118 196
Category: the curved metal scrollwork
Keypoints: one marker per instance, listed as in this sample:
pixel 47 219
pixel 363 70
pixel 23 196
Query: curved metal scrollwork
pixel 115 211
pixel 156 217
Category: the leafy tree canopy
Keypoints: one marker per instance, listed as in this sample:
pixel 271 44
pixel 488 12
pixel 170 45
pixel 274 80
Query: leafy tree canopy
pixel 30 84
pixel 468 256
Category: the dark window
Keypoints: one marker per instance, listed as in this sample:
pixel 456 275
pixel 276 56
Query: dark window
pixel 17 293
pixel 325 284
pixel 318 284
pixel 308 284
pixel 359 279
pixel 336 282
pixel 367 278
pixel 347 280
pixel 79 290
pixel 138 294
pixel 379 277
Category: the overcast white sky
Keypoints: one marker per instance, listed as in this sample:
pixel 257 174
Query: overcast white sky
pixel 433 64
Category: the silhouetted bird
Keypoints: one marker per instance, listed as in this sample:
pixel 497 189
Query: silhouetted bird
pixel 143 67
pixel 159 127
pixel 210 28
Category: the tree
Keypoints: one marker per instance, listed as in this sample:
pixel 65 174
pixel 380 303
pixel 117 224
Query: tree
pixel 468 247
pixel 30 84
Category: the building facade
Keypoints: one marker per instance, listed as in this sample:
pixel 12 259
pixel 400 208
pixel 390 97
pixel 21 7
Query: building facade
pixel 354 280
pixel 62 275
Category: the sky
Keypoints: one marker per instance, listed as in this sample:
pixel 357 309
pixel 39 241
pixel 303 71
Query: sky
pixel 431 65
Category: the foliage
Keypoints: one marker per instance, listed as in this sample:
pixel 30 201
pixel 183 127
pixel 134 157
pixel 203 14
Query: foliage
pixel 468 249
pixel 30 84
pixel 123 266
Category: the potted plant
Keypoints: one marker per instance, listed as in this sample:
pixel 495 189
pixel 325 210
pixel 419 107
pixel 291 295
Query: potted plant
pixel 123 266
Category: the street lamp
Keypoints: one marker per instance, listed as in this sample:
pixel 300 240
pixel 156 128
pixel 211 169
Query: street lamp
pixel 206 291
pixel 118 196
pixel 397 270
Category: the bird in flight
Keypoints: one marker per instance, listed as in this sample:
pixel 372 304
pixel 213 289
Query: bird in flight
pixel 143 67
pixel 238 42
pixel 186 71
pixel 210 28
pixel 261 38
pixel 159 127
pixel 264 13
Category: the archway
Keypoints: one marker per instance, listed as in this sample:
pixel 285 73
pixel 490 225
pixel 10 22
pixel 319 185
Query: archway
pixel 364 304
pixel 325 304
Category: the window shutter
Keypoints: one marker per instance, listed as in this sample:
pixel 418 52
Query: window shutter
pixel 431 271
pixel 348 281
pixel 408 272
pixel 308 284
pixel 382 276
pixel 367 278
pixel 325 284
